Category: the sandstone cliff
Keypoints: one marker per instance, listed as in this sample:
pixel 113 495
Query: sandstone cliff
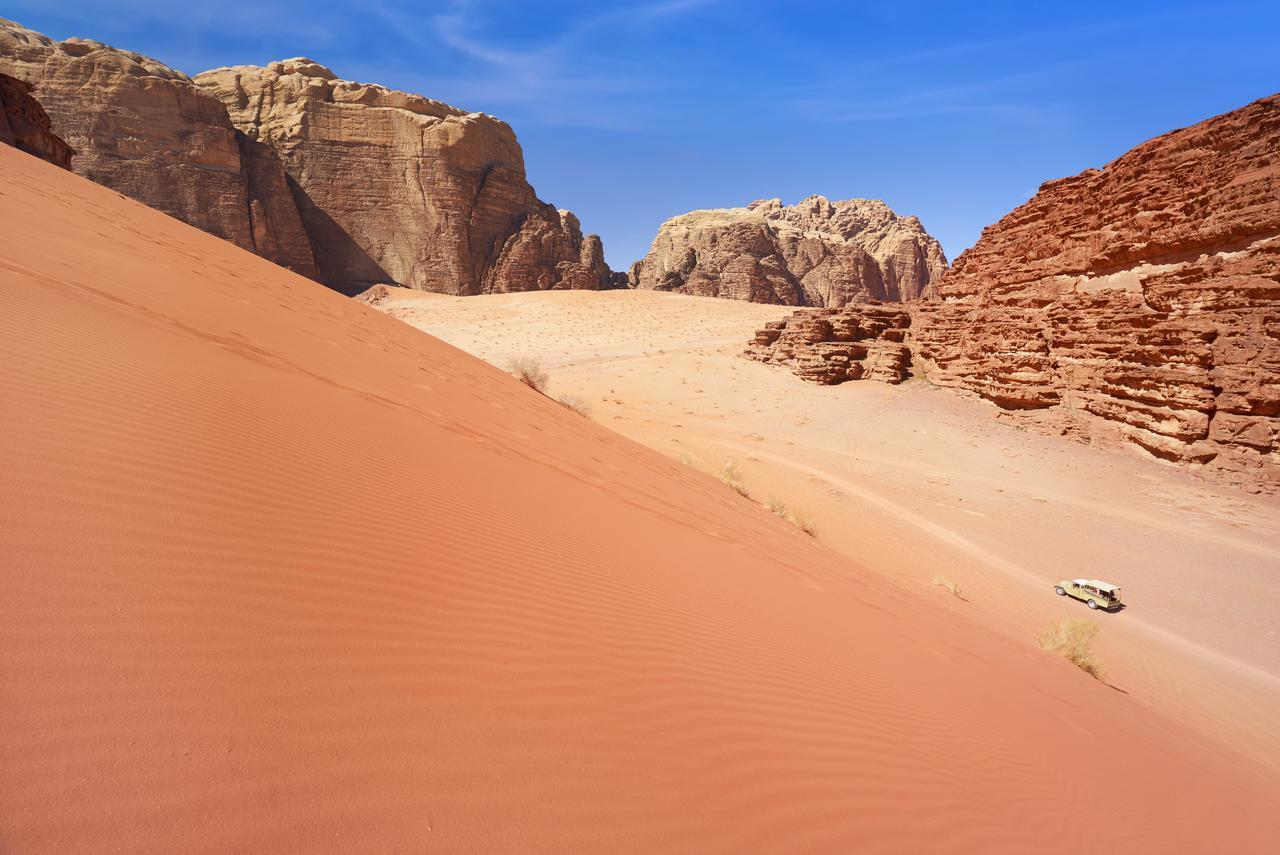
pixel 145 130
pixel 1144 296
pixel 395 187
pixel 347 183
pixel 834 345
pixel 815 253
pixel 25 125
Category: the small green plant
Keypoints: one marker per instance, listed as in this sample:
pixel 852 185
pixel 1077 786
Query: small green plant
pixel 529 371
pixel 775 506
pixel 576 404
pixel 731 475
pixel 1073 638
pixel 946 584
pixel 802 521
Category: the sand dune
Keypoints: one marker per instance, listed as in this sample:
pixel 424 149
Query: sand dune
pixel 916 482
pixel 281 573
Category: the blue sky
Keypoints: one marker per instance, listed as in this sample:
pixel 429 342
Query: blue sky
pixel 630 113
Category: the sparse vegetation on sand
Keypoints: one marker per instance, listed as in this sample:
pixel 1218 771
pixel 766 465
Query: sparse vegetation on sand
pixel 946 584
pixel 529 371
pixel 802 521
pixel 776 506
pixel 578 405
pixel 1074 638
pixel 731 475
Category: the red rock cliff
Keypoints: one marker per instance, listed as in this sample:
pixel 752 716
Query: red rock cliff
pixel 1144 296
pixel 25 125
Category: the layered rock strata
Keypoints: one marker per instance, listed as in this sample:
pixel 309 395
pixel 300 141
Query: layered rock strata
pixel 395 187
pixel 25 125
pixel 351 184
pixel 1143 296
pixel 834 345
pixel 814 253
pixel 145 130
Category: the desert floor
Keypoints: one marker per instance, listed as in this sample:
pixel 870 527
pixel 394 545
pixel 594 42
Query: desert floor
pixel 280 573
pixel 926 486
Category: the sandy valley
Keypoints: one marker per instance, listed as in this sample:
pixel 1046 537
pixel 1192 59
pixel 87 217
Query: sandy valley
pixel 350 501
pixel 922 486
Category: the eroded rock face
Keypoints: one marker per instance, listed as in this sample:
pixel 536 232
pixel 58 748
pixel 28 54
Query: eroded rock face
pixel 348 183
pixel 834 345
pixel 815 253
pixel 395 187
pixel 145 130
pixel 25 125
pixel 1143 296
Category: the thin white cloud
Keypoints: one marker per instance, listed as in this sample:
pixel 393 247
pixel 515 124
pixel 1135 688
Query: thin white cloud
pixel 556 77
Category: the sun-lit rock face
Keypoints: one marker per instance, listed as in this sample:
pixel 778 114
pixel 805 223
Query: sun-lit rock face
pixel 348 183
pixel 395 187
pixel 831 346
pixel 814 253
pixel 1146 294
pixel 145 130
pixel 25 125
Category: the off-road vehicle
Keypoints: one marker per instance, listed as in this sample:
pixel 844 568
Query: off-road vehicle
pixel 1098 595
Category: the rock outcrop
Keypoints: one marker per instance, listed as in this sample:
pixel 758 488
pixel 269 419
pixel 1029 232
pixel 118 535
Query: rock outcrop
pixel 834 345
pixel 1143 296
pixel 145 130
pixel 395 187
pixel 25 125
pixel 351 184
pixel 815 253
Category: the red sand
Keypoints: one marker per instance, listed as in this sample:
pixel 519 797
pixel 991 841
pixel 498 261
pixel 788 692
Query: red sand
pixel 281 573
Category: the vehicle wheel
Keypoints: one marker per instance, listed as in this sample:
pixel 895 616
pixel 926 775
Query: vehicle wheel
pixel 1059 591
pixel 1093 604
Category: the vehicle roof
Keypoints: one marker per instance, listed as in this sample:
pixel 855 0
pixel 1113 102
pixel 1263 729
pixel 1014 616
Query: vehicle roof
pixel 1097 583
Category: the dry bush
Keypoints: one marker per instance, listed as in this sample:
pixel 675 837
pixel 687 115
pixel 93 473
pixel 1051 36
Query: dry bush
pixel 528 371
pixel 1074 638
pixel 775 506
pixel 802 521
pixel 576 404
pixel 731 475
pixel 946 584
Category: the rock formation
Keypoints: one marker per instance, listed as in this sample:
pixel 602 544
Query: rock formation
pixel 145 130
pixel 834 345
pixel 395 187
pixel 1145 294
pixel 25 125
pixel 815 253
pixel 351 184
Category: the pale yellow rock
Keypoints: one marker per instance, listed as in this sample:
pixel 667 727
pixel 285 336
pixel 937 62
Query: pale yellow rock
pixel 395 187
pixel 813 253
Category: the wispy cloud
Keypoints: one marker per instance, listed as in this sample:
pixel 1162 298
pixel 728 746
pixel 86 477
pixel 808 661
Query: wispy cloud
pixel 557 76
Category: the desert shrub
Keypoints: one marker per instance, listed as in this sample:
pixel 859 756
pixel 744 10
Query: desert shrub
pixel 1073 638
pixel 775 506
pixel 731 475
pixel 576 404
pixel 802 521
pixel 946 584
pixel 529 371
